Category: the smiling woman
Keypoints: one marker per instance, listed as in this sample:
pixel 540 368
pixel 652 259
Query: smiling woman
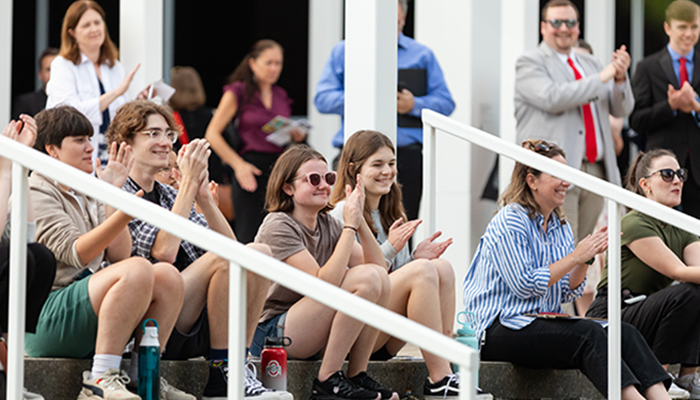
pixel 525 265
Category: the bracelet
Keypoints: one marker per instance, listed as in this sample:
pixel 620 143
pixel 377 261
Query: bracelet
pixel 591 261
pixel 350 227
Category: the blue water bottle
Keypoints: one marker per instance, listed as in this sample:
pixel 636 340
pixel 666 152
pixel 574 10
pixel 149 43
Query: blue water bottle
pixel 149 362
pixel 467 334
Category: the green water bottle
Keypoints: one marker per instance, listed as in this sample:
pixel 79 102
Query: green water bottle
pixel 149 362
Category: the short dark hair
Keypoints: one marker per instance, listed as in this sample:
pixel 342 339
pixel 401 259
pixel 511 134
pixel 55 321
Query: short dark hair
pixel 682 10
pixel 49 51
pixel 558 3
pixel 55 124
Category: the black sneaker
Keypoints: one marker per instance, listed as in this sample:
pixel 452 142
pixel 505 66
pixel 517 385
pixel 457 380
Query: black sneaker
pixel 339 387
pixel 364 380
pixel 447 387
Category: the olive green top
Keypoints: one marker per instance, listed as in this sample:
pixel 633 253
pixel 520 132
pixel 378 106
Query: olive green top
pixel 638 277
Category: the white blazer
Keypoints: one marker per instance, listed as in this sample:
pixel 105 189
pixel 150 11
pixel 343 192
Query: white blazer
pixel 77 86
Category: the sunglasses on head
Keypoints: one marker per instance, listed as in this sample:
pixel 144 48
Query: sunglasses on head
pixel 540 147
pixel 556 23
pixel 314 178
pixel 667 174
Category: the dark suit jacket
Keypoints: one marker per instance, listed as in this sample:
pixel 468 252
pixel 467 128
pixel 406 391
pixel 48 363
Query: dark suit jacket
pixel 29 103
pixel 653 116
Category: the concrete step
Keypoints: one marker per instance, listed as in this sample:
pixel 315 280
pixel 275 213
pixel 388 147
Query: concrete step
pixel 60 379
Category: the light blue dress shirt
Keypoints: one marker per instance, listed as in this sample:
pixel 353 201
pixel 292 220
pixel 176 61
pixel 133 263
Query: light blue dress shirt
pixel 510 270
pixel 330 91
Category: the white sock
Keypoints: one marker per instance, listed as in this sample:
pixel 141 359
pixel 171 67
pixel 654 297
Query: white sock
pixel 101 363
pixel 134 366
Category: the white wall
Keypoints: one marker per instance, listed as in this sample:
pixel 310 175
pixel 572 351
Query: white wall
pixel 137 22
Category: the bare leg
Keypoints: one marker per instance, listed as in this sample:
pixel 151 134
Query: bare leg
pixel 362 349
pixel 414 293
pixel 256 293
pixel 166 301
pixel 446 275
pixel 313 326
pixel 655 392
pixel 120 296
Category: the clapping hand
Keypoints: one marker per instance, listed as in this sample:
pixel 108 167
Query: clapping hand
pixel 430 249
pixel 118 167
pixel 354 204
pixel 621 61
pixel 400 232
pixel 591 245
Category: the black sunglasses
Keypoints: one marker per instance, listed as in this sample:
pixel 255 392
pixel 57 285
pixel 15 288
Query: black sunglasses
pixel 556 23
pixel 667 174
pixel 540 147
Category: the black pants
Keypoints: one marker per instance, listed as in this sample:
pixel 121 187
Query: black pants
pixel 669 320
pixel 250 207
pixel 41 270
pixel 410 176
pixel 574 344
pixel 690 198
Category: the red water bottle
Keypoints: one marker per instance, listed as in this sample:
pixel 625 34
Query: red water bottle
pixel 273 363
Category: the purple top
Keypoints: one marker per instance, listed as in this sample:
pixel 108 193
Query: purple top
pixel 254 115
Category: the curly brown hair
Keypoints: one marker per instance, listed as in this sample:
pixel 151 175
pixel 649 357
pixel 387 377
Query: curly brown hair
pixel 132 117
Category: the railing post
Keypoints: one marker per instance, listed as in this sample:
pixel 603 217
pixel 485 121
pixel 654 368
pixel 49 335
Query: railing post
pixel 18 283
pixel 429 175
pixel 614 302
pixel 467 391
pixel 236 330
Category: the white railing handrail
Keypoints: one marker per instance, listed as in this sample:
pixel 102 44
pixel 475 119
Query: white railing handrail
pixel 615 195
pixel 267 267
pixel 575 176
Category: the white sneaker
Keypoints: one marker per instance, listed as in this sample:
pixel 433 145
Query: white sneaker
pixel 691 383
pixel 31 396
pixel 111 385
pixel 168 392
pixel 676 393
pixel 255 390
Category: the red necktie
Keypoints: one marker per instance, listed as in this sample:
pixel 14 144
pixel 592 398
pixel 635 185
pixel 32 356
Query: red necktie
pixel 683 72
pixel 591 150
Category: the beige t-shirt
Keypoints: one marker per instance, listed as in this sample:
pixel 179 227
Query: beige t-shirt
pixel 287 236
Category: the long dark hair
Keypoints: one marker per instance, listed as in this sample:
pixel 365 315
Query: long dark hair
pixel 284 171
pixel 641 167
pixel 244 74
pixel 356 151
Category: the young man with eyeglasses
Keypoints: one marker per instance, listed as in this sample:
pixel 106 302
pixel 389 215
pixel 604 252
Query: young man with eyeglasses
pixel 202 326
pixel 665 86
pixel 565 97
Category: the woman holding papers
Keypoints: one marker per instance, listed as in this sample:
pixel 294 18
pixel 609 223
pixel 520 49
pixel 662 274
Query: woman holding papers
pixel 526 264
pixel 252 99
pixel 653 255
pixel 87 73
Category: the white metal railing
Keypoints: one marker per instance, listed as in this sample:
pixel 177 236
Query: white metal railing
pixel 241 257
pixel 614 195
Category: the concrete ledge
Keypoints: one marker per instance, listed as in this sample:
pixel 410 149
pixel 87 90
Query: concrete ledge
pixel 59 379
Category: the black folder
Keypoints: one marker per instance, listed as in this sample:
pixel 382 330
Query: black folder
pixel 416 81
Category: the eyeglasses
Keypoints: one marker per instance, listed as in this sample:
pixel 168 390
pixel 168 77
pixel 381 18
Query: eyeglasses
pixel 556 23
pixel 538 146
pixel 314 178
pixel 667 174
pixel 167 172
pixel 157 135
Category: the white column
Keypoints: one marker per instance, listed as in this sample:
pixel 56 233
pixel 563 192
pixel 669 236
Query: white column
pixel 446 27
pixel 519 33
pixel 168 38
pixel 600 28
pixel 141 41
pixel 636 34
pixel 5 61
pixel 325 30
pixel 371 34
pixel 41 39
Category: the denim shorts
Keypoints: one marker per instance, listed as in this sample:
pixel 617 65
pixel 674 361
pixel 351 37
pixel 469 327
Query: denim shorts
pixel 273 327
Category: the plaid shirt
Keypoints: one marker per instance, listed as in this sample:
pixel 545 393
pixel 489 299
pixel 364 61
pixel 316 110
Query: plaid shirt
pixel 144 234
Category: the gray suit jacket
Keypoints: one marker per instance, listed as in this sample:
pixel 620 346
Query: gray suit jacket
pixel 548 104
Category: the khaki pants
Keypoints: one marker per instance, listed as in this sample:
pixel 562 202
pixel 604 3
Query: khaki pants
pixel 582 208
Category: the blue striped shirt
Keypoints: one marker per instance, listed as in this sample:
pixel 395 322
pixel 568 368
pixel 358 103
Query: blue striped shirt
pixel 510 270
